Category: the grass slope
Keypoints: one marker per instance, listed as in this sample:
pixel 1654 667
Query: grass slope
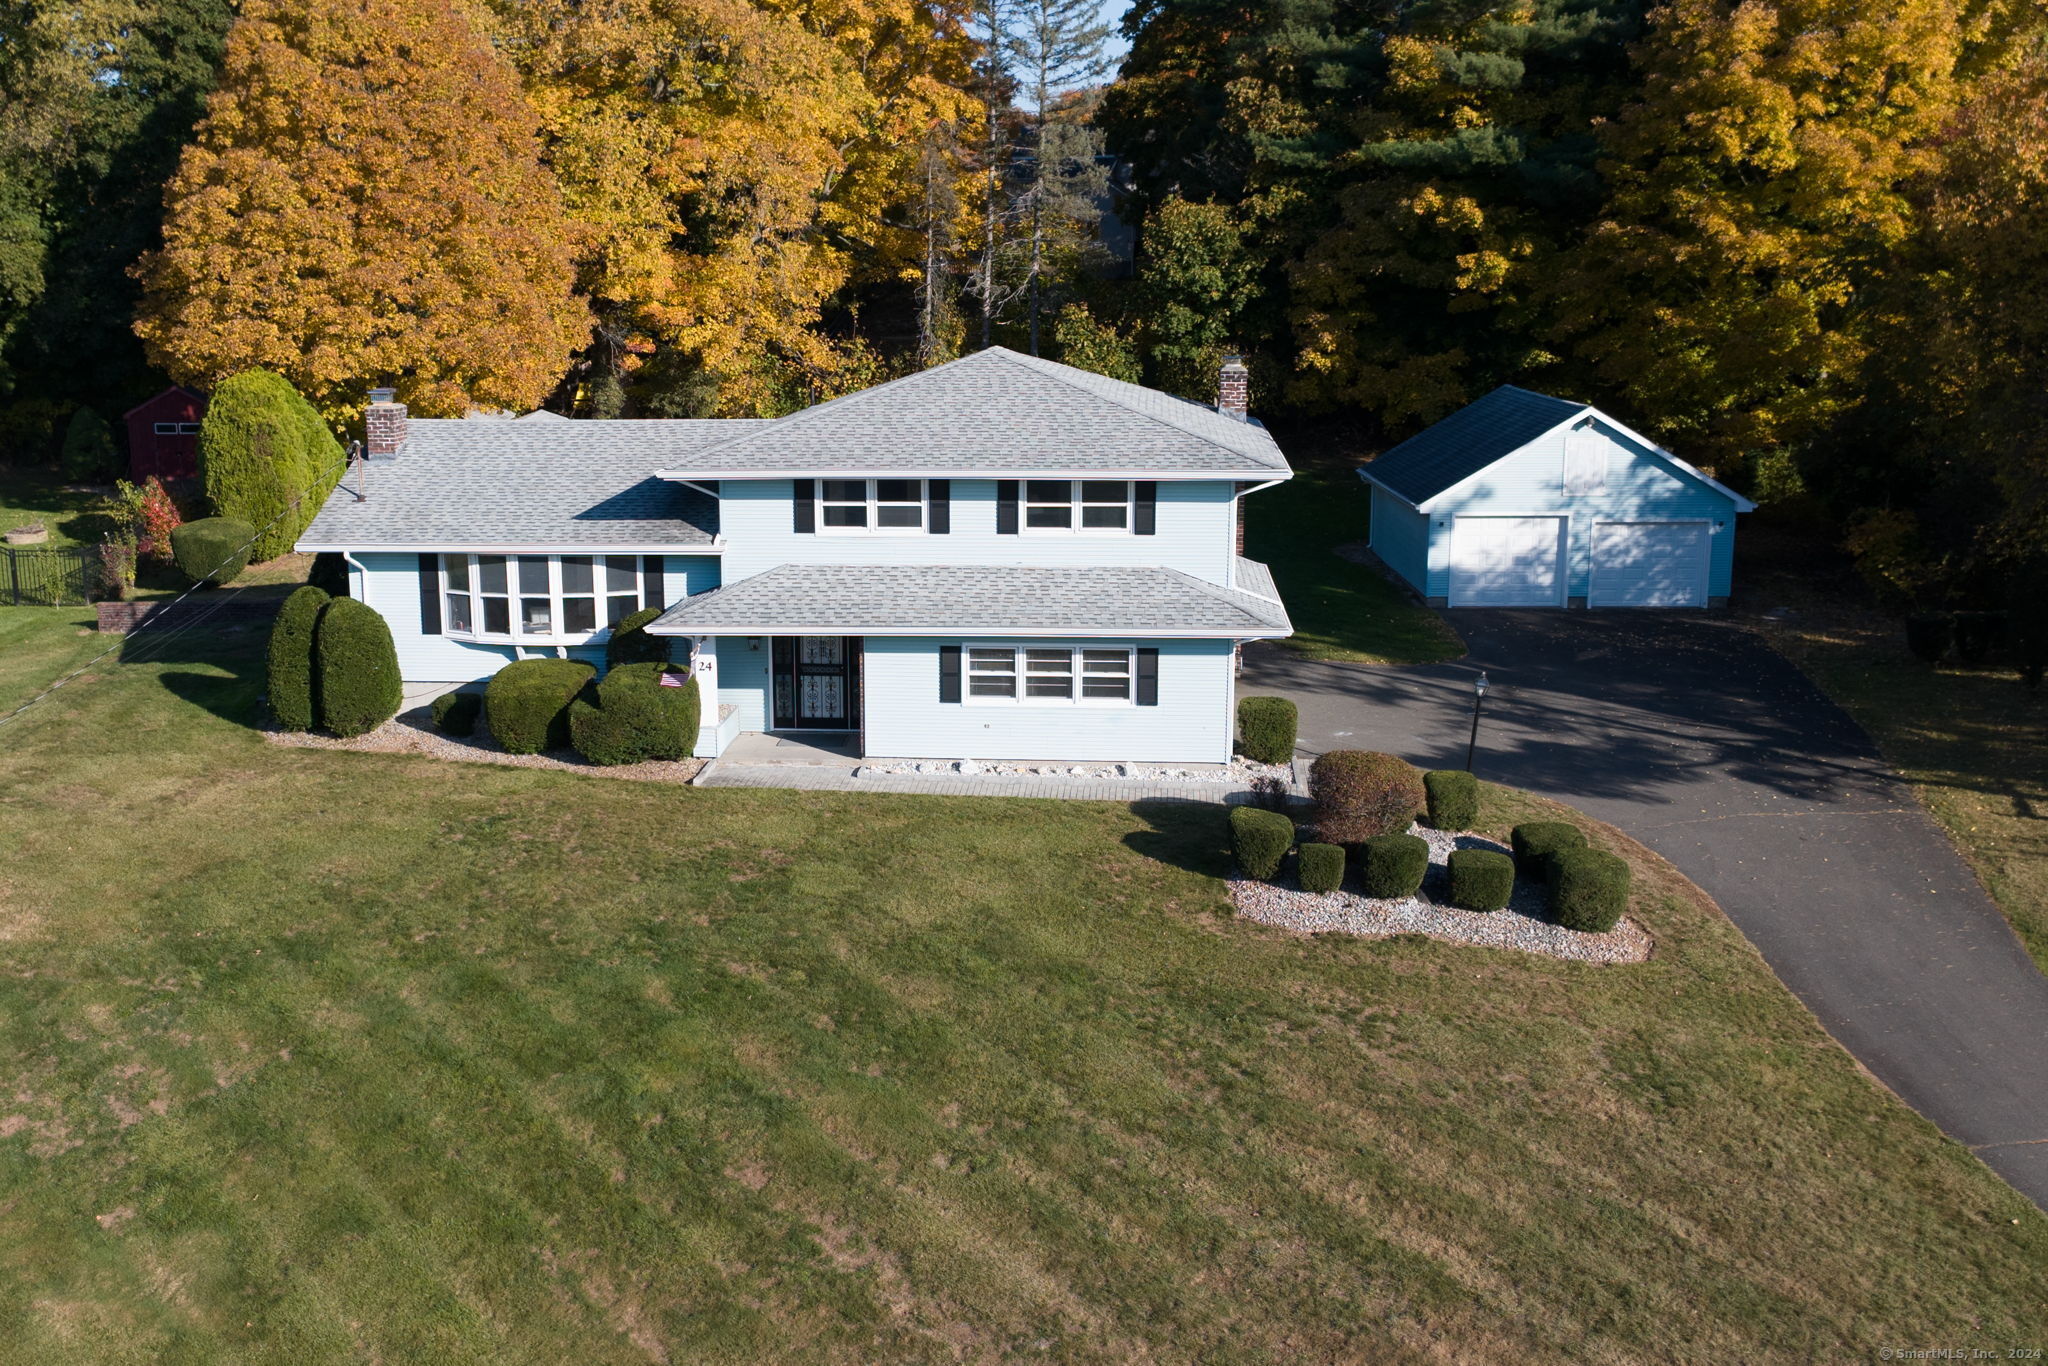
pixel 316 1056
pixel 39 495
pixel 1341 609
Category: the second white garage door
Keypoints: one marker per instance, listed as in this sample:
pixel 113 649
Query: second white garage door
pixel 1649 564
pixel 1507 562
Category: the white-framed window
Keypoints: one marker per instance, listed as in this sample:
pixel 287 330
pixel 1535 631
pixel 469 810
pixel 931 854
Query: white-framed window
pixel 1065 505
pixel 869 505
pixel 536 597
pixel 1051 675
pixel 177 429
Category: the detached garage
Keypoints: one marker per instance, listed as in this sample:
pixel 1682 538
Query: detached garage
pixel 1523 500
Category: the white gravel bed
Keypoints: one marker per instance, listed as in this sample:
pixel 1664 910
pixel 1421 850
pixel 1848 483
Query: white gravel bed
pixel 1523 925
pixel 1238 772
pixel 412 732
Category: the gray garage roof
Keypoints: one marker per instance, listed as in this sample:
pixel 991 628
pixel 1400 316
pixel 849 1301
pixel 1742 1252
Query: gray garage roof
pixel 460 484
pixel 978 600
pixel 997 412
pixel 1469 440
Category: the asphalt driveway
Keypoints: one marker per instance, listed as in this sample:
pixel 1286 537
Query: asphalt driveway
pixel 1698 739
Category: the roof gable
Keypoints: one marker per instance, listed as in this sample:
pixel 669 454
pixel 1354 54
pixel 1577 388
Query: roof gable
pixel 1478 434
pixel 996 412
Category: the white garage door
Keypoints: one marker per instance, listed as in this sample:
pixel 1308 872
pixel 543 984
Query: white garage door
pixel 1507 562
pixel 1649 564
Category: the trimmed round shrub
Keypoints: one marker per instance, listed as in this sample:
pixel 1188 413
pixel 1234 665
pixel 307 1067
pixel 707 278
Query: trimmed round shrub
pixel 526 703
pixel 293 699
pixel 266 456
pixel 631 717
pixel 89 451
pixel 1260 839
pixel 1265 729
pixel 1481 879
pixel 1392 866
pixel 1535 842
pixel 211 550
pixel 1359 794
pixel 456 713
pixel 1588 889
pixel 630 643
pixel 1929 634
pixel 1322 867
pixel 356 668
pixel 1453 799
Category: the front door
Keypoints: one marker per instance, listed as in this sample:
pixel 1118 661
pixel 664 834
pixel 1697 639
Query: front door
pixel 817 682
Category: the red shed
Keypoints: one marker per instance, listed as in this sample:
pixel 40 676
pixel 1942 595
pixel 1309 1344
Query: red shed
pixel 163 435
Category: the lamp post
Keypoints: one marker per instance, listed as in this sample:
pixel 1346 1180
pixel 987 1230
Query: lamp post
pixel 1478 697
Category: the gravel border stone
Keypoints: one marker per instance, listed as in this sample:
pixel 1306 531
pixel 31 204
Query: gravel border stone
pixel 1524 925
pixel 1239 771
pixel 413 732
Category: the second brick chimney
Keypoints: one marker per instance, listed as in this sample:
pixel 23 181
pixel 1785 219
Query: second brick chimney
pixel 1234 388
pixel 383 425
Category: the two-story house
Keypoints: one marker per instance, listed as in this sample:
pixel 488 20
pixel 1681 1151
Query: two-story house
pixel 997 558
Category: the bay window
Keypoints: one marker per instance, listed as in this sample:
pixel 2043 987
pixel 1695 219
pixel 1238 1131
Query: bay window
pixel 1102 505
pixel 1050 674
pixel 853 505
pixel 537 596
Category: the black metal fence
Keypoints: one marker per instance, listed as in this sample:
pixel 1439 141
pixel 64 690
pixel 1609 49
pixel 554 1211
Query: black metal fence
pixel 45 576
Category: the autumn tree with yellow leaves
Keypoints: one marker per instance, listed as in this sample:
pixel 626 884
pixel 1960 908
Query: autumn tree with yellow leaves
pixel 365 203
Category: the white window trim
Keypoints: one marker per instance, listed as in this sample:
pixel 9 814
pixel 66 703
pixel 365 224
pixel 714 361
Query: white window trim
pixel 1021 674
pixel 176 429
pixel 923 502
pixel 1073 504
pixel 557 636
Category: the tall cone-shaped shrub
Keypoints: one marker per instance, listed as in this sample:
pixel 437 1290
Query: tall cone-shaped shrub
pixel 293 700
pixel 266 458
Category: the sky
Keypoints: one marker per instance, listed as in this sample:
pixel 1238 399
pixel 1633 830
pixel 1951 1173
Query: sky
pixel 1113 14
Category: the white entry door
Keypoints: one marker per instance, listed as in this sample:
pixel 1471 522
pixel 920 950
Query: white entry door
pixel 1507 561
pixel 1649 564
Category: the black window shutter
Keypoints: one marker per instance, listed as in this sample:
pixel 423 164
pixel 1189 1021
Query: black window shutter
pixel 940 492
pixel 806 506
pixel 1146 520
pixel 1006 507
pixel 430 595
pixel 949 673
pixel 1148 678
pixel 651 581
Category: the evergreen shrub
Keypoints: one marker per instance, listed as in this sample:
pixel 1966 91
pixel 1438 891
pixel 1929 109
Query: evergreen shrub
pixel 1535 842
pixel 630 643
pixel 456 713
pixel 1392 866
pixel 1453 799
pixel 294 700
pixel 1322 867
pixel 1588 889
pixel 1265 729
pixel 267 457
pixel 1260 839
pixel 211 550
pixel 356 668
pixel 1481 879
pixel 630 716
pixel 526 703
pixel 89 452
pixel 1359 794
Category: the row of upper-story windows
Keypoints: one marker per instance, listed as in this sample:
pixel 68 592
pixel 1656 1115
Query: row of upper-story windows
pixel 907 507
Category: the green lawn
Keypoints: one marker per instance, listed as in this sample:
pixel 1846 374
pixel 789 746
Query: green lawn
pixel 1341 609
pixel 314 1056
pixel 1973 742
pixel 39 495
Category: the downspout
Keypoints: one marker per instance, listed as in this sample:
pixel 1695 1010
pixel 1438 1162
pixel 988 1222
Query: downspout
pixel 350 560
pixel 1238 504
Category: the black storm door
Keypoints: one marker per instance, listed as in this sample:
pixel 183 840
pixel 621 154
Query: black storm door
pixel 815 682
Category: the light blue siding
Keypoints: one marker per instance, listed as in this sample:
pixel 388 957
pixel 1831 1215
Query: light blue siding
pixel 1196 531
pixel 905 719
pixel 743 677
pixel 1641 487
pixel 1400 537
pixel 392 586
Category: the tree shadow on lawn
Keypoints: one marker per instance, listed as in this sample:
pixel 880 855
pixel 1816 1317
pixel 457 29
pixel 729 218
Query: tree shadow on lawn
pixel 1193 835
pixel 234 650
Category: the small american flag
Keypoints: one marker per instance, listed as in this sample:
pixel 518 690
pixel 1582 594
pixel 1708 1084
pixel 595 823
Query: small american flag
pixel 672 680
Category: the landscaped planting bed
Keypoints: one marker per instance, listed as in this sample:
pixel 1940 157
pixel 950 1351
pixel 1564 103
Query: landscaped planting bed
pixel 1525 924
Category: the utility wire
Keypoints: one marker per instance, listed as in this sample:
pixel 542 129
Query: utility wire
pixel 164 637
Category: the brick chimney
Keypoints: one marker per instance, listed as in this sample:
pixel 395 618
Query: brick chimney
pixel 383 425
pixel 1233 389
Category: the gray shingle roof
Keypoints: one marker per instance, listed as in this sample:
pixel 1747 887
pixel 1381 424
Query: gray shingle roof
pixel 997 412
pixel 1255 579
pixel 460 483
pixel 974 600
pixel 1468 441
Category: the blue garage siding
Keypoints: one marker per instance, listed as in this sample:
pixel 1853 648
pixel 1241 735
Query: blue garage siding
pixel 905 719
pixel 392 586
pixel 1641 487
pixel 1400 536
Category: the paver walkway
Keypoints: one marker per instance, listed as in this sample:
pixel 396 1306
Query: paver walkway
pixel 1698 739
pixel 823 778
